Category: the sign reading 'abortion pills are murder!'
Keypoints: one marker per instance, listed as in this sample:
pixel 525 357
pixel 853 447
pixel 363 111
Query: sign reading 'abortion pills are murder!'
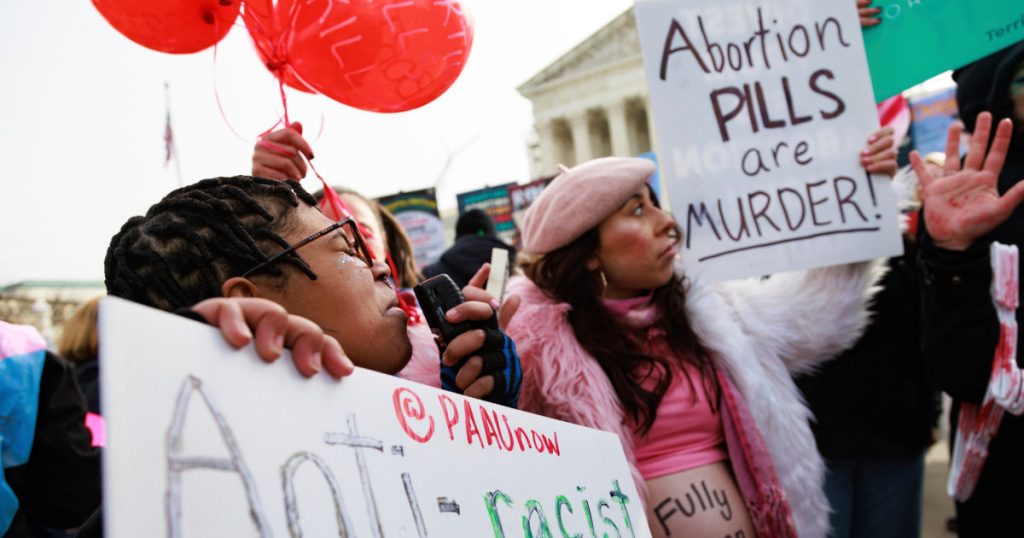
pixel 762 109
pixel 205 440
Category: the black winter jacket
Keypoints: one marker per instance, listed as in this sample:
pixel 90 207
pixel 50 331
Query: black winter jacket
pixel 960 327
pixel 466 256
pixel 59 486
pixel 874 400
pixel 960 331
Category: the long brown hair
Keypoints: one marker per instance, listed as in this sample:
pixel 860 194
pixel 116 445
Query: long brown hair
pixel 400 248
pixel 563 276
pixel 79 342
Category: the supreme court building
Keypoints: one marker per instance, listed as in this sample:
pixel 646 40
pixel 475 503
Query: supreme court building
pixel 592 102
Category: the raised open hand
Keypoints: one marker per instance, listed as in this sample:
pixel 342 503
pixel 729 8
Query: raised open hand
pixel 963 205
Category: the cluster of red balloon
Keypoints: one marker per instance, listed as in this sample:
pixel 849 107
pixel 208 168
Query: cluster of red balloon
pixel 377 55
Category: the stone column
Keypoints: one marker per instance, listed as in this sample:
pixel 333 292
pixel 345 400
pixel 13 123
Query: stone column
pixel 618 128
pixel 581 137
pixel 652 133
pixel 546 139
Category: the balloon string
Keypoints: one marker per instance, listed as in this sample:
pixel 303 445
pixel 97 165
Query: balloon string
pixel 319 131
pixel 265 133
pixel 410 309
pixel 331 200
pixel 331 204
pixel 284 101
pixel 272 57
pixel 216 96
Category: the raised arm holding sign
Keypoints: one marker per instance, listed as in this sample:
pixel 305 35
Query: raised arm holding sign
pixel 613 335
pixel 970 313
pixel 760 111
pixel 963 204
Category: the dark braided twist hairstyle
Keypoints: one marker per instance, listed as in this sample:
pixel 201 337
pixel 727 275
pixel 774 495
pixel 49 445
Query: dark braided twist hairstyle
pixel 198 236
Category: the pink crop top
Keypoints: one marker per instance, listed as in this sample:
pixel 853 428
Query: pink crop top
pixel 686 432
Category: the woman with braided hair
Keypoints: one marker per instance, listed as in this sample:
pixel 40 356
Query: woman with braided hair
pixel 244 237
pixel 282 155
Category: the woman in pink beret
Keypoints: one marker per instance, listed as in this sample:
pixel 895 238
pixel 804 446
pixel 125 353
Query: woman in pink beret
pixel 695 379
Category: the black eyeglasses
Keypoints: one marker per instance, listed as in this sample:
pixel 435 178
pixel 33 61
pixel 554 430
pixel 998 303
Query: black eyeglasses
pixel 352 235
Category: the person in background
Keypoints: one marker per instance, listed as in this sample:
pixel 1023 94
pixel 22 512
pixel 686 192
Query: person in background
pixel 695 379
pixel 964 211
pixel 474 239
pixel 79 344
pixel 50 480
pixel 246 237
pixel 399 246
pixel 874 407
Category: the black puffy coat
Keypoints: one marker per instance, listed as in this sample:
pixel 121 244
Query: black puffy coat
pixel 959 324
pixel 466 256
pixel 874 400
pixel 59 486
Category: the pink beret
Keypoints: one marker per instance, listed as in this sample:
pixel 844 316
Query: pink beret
pixel 579 199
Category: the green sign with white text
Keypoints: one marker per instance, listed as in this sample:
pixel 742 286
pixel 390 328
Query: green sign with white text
pixel 919 39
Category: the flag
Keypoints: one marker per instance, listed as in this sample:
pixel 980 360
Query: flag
pixel 168 139
pixel 894 112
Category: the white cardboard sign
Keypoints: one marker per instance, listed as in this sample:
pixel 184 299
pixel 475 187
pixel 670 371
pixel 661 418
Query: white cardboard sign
pixel 204 440
pixel 761 109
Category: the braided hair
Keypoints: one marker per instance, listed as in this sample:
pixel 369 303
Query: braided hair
pixel 200 235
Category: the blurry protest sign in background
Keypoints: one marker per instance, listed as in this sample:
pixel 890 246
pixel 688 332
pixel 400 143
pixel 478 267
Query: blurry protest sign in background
pixel 417 211
pixel 919 39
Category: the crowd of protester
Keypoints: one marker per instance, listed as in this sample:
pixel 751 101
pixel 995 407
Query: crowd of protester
pixel 806 399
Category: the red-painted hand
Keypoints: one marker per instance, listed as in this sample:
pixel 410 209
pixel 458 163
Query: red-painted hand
pixel 962 205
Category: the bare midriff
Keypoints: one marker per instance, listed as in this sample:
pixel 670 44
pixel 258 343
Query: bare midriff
pixel 698 502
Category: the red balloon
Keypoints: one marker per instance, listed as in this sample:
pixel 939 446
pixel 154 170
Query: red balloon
pixel 267 30
pixel 174 26
pixel 377 55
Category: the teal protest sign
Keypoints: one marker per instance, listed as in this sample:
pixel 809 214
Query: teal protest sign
pixel 919 39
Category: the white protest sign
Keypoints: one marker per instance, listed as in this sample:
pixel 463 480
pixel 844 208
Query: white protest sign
pixel 499 273
pixel 204 440
pixel 761 110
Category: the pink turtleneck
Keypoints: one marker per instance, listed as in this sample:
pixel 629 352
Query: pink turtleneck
pixel 687 431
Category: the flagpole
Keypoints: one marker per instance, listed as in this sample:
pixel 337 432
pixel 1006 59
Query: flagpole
pixel 169 137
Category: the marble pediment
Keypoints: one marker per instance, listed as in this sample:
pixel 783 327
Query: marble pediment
pixel 617 41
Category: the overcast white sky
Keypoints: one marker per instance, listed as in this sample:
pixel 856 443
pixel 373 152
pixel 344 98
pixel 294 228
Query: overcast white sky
pixel 84 109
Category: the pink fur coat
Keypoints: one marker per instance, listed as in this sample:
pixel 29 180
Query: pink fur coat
pixel 759 333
